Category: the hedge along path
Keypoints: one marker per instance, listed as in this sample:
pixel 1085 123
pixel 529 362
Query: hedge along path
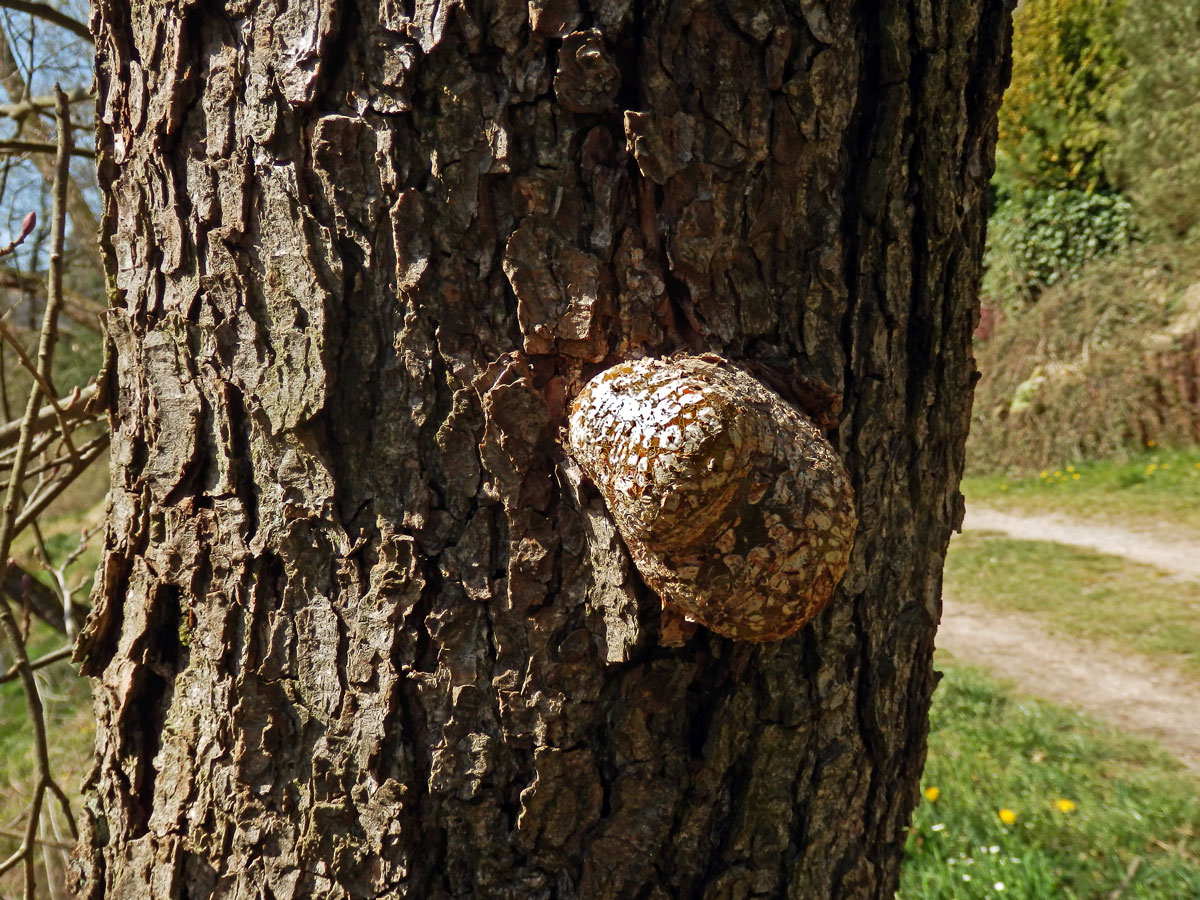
pixel 1124 689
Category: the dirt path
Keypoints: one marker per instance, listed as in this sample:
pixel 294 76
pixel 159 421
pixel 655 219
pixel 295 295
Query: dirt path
pixel 1122 688
pixel 1180 557
pixel 1126 690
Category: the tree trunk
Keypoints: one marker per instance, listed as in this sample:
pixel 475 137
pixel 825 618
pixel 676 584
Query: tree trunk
pixel 357 633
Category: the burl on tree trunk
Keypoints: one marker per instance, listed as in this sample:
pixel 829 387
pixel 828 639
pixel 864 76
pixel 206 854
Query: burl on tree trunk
pixel 362 628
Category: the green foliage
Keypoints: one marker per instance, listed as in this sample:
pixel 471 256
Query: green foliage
pixel 1084 804
pixel 1155 152
pixel 1055 122
pixel 1041 237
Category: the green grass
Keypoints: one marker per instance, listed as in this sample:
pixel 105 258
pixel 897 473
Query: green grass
pixel 1157 488
pixel 70 730
pixel 989 750
pixel 1080 592
pixel 66 697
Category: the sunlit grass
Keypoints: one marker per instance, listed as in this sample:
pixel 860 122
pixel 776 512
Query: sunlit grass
pixel 1028 801
pixel 1149 490
pixel 70 729
pixel 1083 593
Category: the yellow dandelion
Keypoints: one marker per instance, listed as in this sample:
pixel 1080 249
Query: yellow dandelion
pixel 1075 477
pixel 1004 487
pixel 1045 473
pixel 1197 465
pixel 1165 466
pixel 1065 805
pixel 1151 444
pixel 1070 468
pixel 1152 468
pixel 1058 474
pixel 1007 816
pixel 932 793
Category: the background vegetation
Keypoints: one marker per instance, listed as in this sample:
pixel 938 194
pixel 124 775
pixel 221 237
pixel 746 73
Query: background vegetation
pixel 1088 407
pixel 1092 288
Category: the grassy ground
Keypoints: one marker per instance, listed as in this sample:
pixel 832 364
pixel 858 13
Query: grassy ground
pixel 1027 801
pixel 1082 593
pixel 70 728
pixel 1156 489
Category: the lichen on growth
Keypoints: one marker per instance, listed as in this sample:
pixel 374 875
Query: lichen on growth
pixel 734 507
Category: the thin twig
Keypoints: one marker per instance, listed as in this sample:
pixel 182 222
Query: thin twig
pixel 66 594
pixel 40 498
pixel 83 310
pixel 37 104
pixel 72 406
pixel 48 660
pixel 41 443
pixel 87 228
pixel 26 592
pixel 64 804
pixel 40 377
pixel 59 461
pixel 8 518
pixel 26 363
pixel 18 146
pixel 57 845
pixel 61 856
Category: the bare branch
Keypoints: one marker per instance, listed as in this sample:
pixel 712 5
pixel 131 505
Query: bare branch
pixel 66 593
pixel 8 519
pixel 38 104
pixel 41 842
pixel 87 228
pixel 23 589
pixel 43 497
pixel 73 407
pixel 84 310
pixel 41 146
pixel 71 457
pixel 41 377
pixel 48 660
pixel 50 14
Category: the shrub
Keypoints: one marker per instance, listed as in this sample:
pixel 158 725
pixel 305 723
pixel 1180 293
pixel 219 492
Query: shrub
pixel 1039 238
pixel 1155 148
pixel 1054 124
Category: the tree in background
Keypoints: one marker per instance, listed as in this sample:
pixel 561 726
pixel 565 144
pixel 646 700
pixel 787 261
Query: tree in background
pixel 1056 209
pixel 1055 123
pixel 1155 146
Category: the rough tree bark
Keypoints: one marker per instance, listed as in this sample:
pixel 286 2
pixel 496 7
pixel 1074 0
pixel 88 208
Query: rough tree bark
pixel 356 634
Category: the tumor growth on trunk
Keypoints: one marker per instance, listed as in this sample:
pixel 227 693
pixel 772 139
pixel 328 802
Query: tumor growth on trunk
pixel 735 508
